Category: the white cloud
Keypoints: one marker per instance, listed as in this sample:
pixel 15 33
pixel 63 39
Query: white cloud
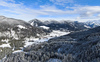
pixel 20 11
pixel 61 2
pixel 85 11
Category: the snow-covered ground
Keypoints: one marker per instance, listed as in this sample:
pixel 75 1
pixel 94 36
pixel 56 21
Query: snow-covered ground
pixel 58 33
pixel 35 41
pixel 54 60
pixel 44 27
pixel 87 26
pixel 5 45
pixel 9 34
pixel 18 51
pixel 55 33
pixel 32 40
pixel 21 27
pixel 5 40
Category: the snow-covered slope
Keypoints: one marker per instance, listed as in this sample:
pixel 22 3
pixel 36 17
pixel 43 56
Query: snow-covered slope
pixel 81 46
pixel 13 34
pixel 64 25
pixel 5 45
pixel 93 23
pixel 22 27
pixel 17 34
pixel 44 27
pixel 15 26
pixel 53 34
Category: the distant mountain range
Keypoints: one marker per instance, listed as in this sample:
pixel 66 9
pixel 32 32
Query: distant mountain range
pixel 93 23
pixel 62 25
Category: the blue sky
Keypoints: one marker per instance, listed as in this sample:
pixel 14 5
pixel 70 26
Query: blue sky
pixel 77 10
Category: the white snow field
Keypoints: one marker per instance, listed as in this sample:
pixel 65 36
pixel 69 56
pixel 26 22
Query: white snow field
pixel 44 27
pixel 21 27
pixel 5 45
pixel 32 40
pixel 55 33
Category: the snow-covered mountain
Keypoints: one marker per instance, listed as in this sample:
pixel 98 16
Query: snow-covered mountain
pixel 15 34
pixel 19 27
pixel 36 22
pixel 93 23
pixel 59 25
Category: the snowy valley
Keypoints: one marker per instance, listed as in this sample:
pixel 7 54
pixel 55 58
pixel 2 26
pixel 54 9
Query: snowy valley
pixel 48 41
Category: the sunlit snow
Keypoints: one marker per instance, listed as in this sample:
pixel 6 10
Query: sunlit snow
pixel 44 27
pixel 55 33
pixel 5 45
pixel 87 26
pixel 17 51
pixel 21 27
